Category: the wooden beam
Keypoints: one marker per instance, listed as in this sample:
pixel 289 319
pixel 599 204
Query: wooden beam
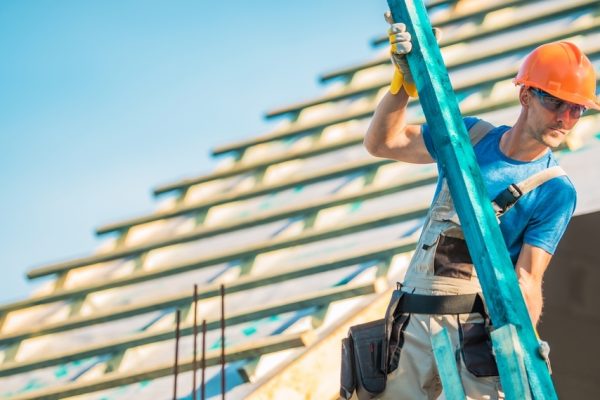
pixel 475 81
pixel 260 217
pixel 520 20
pixel 509 356
pixel 527 43
pixel 396 247
pixel 257 348
pixel 551 36
pixel 317 369
pixel 307 236
pixel 242 283
pixel 320 298
pixel 261 189
pixel 452 38
pixel 456 157
pixel 438 22
pixel 445 360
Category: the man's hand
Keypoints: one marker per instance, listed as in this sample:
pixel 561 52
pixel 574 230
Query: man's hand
pixel 400 46
pixel 544 351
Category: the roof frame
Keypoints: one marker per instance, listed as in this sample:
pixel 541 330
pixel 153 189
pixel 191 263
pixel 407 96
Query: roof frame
pixel 212 290
pixel 475 58
pixel 521 20
pixel 255 349
pixel 319 298
pixel 242 283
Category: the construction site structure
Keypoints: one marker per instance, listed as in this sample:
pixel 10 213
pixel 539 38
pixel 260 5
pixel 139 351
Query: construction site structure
pixel 308 234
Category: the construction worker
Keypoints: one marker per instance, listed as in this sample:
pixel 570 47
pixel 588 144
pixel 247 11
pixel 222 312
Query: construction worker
pixel 556 85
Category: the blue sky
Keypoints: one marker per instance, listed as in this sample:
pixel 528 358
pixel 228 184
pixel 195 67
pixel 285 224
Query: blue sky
pixel 100 101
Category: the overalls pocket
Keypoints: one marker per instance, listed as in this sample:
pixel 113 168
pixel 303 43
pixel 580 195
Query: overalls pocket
pixel 424 255
pixel 452 258
pixel 476 348
pixel 369 346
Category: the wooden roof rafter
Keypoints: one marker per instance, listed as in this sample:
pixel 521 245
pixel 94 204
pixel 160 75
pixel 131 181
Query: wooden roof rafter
pixel 242 283
pixel 456 17
pixel 477 81
pixel 320 298
pixel 484 106
pixel 475 58
pixel 310 236
pixel 521 20
pixel 259 347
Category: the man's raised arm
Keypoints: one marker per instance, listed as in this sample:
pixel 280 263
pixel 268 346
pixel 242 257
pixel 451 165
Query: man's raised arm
pixel 388 135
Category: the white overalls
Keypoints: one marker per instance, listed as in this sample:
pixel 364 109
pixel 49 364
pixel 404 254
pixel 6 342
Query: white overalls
pixel 441 265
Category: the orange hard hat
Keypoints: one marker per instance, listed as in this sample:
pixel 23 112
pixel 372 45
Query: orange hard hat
pixel 561 69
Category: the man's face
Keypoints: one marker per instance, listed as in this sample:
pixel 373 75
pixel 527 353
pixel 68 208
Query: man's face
pixel 551 119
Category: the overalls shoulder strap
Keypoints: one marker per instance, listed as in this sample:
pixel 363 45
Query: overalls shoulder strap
pixel 442 204
pixel 479 130
pixel 539 178
pixel 509 196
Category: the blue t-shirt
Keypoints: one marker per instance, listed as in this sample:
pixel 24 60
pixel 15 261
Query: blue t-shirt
pixel 541 216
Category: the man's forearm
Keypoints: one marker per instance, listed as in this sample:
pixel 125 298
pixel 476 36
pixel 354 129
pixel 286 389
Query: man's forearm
pixel 532 293
pixel 531 265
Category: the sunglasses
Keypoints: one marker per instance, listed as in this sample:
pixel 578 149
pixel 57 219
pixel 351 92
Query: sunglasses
pixel 556 105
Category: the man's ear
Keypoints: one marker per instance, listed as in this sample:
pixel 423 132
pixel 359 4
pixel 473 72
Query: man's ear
pixel 524 96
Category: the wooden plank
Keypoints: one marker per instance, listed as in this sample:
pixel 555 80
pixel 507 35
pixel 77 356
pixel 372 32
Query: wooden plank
pixel 255 349
pixel 520 20
pixel 486 245
pixel 242 283
pixel 440 22
pixel 325 201
pixel 475 82
pixel 527 43
pixel 388 249
pixel 484 106
pixel 317 369
pixel 446 365
pixel 509 357
pixel 307 236
pixel 195 234
pixel 320 298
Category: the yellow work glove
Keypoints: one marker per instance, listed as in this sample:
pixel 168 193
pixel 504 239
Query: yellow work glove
pixel 400 46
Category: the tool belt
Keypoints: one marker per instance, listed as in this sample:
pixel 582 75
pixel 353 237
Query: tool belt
pixel 410 303
pixel 369 351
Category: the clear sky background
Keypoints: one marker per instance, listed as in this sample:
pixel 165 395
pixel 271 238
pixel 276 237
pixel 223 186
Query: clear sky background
pixel 100 101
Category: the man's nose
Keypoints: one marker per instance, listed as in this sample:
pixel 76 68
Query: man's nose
pixel 563 115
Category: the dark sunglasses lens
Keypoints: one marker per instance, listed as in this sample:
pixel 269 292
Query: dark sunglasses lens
pixel 577 111
pixel 553 104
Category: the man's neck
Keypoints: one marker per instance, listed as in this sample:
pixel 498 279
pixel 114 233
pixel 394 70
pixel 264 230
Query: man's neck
pixel 517 143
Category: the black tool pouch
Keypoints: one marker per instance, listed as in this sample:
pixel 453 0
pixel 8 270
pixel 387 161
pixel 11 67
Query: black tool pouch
pixel 367 344
pixel 365 355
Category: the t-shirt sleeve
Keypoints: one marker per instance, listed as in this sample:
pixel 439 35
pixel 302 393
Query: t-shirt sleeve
pixel 552 215
pixel 469 122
